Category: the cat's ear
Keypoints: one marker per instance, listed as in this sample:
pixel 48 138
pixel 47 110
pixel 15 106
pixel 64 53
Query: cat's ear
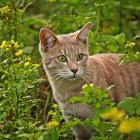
pixel 83 33
pixel 47 39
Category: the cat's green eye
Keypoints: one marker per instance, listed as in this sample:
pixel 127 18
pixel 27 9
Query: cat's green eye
pixel 62 58
pixel 80 57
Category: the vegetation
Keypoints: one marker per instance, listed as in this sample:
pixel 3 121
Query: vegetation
pixel 27 110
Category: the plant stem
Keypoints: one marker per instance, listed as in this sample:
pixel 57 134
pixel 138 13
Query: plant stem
pixel 98 21
pixel 45 108
pixel 16 90
pixel 101 134
pixel 120 16
pixel 15 21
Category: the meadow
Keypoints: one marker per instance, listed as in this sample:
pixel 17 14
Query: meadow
pixel 27 108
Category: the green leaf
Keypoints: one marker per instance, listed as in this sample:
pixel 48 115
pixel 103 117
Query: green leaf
pixel 28 50
pixel 138 96
pixel 24 135
pixel 112 48
pixel 73 123
pixel 128 105
pixel 138 110
pixel 76 99
pixel 120 38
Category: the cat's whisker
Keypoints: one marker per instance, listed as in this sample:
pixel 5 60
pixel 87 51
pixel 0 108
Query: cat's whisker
pixel 53 72
pixel 58 78
pixel 64 72
pixel 64 76
pixel 56 75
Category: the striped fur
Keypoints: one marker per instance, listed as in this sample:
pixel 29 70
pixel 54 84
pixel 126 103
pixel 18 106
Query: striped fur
pixel 101 70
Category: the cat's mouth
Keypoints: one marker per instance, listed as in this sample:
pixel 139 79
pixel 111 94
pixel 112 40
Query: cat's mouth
pixel 72 78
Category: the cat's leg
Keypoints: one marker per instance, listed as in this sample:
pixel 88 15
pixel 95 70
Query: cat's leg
pixel 81 139
pixel 82 132
pixel 80 111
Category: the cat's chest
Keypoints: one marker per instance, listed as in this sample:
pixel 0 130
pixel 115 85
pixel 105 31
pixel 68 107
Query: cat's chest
pixel 65 92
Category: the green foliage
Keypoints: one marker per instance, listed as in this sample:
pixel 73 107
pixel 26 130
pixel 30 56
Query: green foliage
pixel 100 102
pixel 123 119
pixel 14 24
pixel 112 27
pixel 18 90
pixel 131 105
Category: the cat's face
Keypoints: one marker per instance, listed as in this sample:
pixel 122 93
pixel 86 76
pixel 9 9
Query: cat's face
pixel 65 55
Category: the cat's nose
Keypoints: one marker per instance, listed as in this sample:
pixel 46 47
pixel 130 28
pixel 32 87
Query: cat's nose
pixel 74 70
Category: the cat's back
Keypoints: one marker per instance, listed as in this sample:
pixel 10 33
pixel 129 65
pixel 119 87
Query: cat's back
pixel 106 56
pixel 108 71
pixel 112 60
pixel 106 62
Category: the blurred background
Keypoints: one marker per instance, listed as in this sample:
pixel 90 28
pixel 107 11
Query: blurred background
pixel 109 18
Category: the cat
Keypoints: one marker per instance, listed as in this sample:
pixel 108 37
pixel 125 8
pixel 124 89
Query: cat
pixel 68 66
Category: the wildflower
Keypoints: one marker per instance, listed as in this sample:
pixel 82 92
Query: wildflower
pixel 36 65
pixel 3 45
pixel 130 44
pixel 12 41
pixel 114 114
pixel 28 58
pixel 15 44
pixel 20 52
pixel 7 49
pixel 98 5
pixel 91 85
pixel 53 123
pixel 55 105
pixel 5 10
pixel 26 64
pixel 84 86
pixel 129 125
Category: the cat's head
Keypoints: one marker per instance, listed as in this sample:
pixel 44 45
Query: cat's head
pixel 65 55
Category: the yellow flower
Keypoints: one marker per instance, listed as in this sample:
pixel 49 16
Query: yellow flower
pixel 91 85
pixel 3 45
pixel 4 10
pixel 28 58
pixel 36 65
pixel 7 49
pixel 130 44
pixel 53 123
pixel 26 64
pixel 12 41
pixel 84 86
pixel 20 52
pixel 114 114
pixel 15 44
pixel 129 125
